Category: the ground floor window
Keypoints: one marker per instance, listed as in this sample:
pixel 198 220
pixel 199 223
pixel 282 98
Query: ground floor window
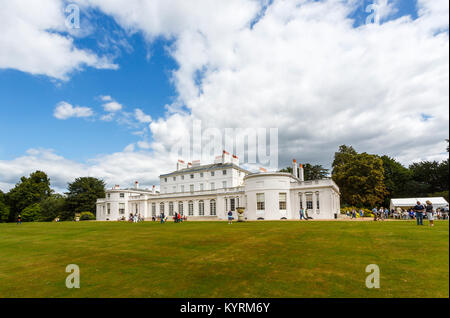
pixel 191 208
pixel 309 201
pixel 282 201
pixel 121 208
pixel 212 207
pixel 201 207
pixel 108 210
pixel 233 204
pixel 170 208
pixel 161 207
pixel 260 202
pixel 153 209
pixel 180 207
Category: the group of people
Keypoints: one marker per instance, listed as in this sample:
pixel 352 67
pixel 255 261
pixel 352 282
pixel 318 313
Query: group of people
pixel 135 218
pixel 353 213
pixel 304 214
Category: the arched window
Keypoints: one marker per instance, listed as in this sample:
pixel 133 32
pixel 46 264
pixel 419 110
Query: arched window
pixel 170 208
pixel 180 207
pixel 201 207
pixel 191 208
pixel 212 207
pixel 153 209
pixel 161 207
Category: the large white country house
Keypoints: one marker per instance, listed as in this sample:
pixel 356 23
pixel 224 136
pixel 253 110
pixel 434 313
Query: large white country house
pixel 208 192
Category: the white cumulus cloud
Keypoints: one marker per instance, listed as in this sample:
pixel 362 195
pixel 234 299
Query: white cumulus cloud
pixel 65 110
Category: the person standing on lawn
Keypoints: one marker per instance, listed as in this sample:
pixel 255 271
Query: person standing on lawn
pixel 430 212
pixel 302 214
pixel 230 217
pixel 19 219
pixel 419 209
pixel 374 212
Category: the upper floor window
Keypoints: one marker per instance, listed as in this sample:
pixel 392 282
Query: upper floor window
pixel 201 186
pixel 182 188
pixel 192 176
pixel 224 172
pixel 212 173
pixel 182 177
pixel 165 179
pixel 213 186
pixel 174 178
pixel 201 174
pixel 109 195
pixel 260 202
pixel 224 184
pixel 191 188
pixel 174 189
pixel 282 201
pixel 122 195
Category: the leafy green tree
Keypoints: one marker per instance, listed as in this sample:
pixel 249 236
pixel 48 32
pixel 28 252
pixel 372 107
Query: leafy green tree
pixel 431 175
pixel 360 177
pixel 311 172
pixel 397 179
pixel 4 208
pixel 82 196
pixel 27 192
pixel 87 216
pixel 32 213
pixel 52 207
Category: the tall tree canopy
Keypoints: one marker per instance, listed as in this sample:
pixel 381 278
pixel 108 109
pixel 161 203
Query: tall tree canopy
pixel 4 208
pixel 27 192
pixel 360 177
pixel 83 194
pixel 311 172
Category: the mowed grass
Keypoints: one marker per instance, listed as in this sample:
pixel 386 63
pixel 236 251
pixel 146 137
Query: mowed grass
pixel 214 259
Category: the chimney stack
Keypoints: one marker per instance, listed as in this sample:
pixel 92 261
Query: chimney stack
pixel 181 165
pixel 294 168
pixel 136 185
pixel 154 189
pixel 189 165
pixel 301 173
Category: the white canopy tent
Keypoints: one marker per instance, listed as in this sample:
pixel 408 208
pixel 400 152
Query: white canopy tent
pixel 438 202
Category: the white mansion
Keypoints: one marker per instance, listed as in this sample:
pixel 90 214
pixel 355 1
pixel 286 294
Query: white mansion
pixel 210 191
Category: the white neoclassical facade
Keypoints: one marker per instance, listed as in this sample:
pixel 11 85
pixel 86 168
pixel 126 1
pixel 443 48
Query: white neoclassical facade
pixel 208 192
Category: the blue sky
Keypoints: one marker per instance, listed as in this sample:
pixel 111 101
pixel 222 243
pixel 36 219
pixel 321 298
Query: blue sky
pixel 285 58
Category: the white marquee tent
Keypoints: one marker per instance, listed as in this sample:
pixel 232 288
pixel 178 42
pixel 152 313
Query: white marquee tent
pixel 438 202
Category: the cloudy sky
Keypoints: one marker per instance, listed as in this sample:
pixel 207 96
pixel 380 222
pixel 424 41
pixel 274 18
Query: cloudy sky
pixel 111 98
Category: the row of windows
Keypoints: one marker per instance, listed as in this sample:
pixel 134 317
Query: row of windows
pixel 282 199
pixel 201 208
pixel 212 186
pixel 192 175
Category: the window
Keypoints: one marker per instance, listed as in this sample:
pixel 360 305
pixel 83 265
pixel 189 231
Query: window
pixel 182 177
pixel 233 204
pixel 191 188
pixel 201 186
pixel 224 172
pixel 122 195
pixel 260 203
pixel 201 207
pixel 182 188
pixel 212 173
pixel 309 201
pixel 192 176
pixel 174 189
pixel 165 190
pixel 170 208
pixel 212 207
pixel 191 208
pixel 213 186
pixel 109 195
pixel 318 201
pixel 224 184
pixel 153 209
pixel 201 174
pixel 161 207
pixel 109 208
pixel 282 201
pixel 174 178
pixel 165 179
pixel 121 208
pixel 180 207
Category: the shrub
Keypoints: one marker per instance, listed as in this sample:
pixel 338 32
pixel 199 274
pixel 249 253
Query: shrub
pixel 87 216
pixel 367 212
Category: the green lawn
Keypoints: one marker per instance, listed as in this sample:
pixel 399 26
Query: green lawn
pixel 214 259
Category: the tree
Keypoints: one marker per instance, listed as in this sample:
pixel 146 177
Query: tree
pixel 31 213
pixel 311 172
pixel 28 192
pixel 360 177
pixel 4 208
pixel 52 207
pixel 397 179
pixel 82 196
